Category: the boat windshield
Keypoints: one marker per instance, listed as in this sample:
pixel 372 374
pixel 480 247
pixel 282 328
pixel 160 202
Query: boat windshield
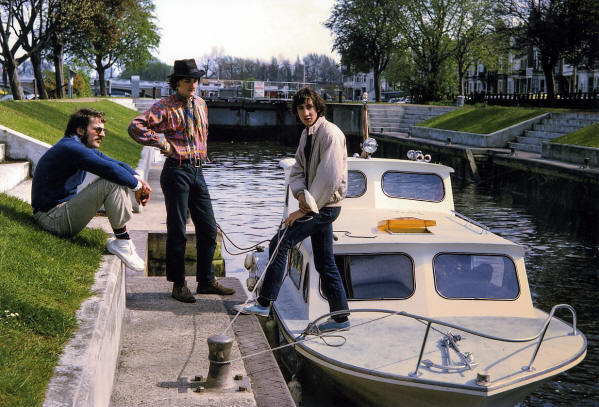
pixel 410 185
pixel 380 276
pixel 356 184
pixel 476 276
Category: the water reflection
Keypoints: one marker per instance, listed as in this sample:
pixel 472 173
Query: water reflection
pixel 246 186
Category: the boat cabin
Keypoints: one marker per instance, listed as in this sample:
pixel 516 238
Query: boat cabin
pixel 398 240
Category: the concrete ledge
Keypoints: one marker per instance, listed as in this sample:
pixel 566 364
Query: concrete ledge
pixel 570 153
pixel 22 147
pixel 85 372
pixel 498 139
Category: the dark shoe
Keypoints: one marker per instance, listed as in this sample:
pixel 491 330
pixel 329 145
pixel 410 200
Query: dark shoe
pixel 215 288
pixel 183 294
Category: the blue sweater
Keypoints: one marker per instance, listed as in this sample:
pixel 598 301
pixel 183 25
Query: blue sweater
pixel 63 168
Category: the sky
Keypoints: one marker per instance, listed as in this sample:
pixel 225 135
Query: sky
pixel 243 28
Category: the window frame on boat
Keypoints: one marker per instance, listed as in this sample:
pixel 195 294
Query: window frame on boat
pixel 349 292
pixel 290 256
pixel 463 298
pixel 415 173
pixel 365 184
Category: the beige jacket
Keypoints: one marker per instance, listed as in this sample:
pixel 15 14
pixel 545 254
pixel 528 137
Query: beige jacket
pixel 327 175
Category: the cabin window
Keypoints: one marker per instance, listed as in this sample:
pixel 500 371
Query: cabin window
pixel 380 276
pixel 306 290
pixel 295 262
pixel 356 184
pixel 411 185
pixel 476 276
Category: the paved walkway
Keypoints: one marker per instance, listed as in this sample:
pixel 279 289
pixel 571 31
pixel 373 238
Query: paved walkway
pixel 164 344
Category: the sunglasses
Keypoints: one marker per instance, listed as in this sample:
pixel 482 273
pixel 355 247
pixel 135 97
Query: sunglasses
pixel 99 130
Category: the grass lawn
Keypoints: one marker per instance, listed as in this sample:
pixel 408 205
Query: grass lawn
pixel 482 120
pixel 587 137
pixel 47 120
pixel 43 280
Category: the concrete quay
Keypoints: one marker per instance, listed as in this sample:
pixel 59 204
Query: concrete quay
pixel 148 350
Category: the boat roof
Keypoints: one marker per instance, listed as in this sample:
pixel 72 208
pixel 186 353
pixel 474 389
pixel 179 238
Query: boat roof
pixel 356 226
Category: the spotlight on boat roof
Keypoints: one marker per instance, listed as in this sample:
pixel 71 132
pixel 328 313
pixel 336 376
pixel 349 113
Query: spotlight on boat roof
pixel 369 146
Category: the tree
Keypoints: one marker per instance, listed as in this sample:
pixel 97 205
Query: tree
pixel 427 28
pixel 12 45
pixel 154 70
pixel 471 35
pixel 366 32
pixel 120 32
pixel 556 28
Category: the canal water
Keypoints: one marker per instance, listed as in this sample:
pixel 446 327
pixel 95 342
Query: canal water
pixel 246 186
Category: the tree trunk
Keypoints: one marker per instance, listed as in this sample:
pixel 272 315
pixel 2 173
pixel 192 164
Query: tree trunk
pixel 13 77
pixel 57 51
pixel 101 78
pixel 377 85
pixel 550 81
pixel 36 62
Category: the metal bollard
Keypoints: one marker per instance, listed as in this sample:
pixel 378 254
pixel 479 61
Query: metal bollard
pixel 219 372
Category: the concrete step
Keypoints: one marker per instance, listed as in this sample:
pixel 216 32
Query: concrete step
pixel 555 128
pixel 143 104
pixel 381 129
pixel 530 140
pixel 526 147
pixel 12 173
pixel 389 122
pixel 542 134
pixel 22 190
pixel 575 116
pixel 2 152
pixel 571 122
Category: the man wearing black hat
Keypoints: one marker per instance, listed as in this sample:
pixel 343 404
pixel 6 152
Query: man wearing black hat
pixel 178 126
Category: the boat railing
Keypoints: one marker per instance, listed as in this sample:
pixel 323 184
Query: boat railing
pixel 540 335
pixel 467 219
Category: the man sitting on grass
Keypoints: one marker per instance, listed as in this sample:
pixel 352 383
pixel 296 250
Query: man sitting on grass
pixel 60 209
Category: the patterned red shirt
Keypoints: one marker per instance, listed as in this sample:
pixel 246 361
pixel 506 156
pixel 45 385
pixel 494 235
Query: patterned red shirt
pixel 166 120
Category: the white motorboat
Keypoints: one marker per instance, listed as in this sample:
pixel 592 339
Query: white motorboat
pixel 441 311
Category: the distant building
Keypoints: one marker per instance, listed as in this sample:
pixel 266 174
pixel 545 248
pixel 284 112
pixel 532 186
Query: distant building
pixel 354 86
pixel 524 75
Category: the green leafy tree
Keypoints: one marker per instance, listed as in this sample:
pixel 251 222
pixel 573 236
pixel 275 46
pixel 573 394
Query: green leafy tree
pixel 366 32
pixel 155 70
pixel 471 34
pixel 120 32
pixel 81 84
pixel 427 29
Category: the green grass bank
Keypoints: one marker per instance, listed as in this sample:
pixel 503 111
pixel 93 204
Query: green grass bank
pixel 47 120
pixel 485 120
pixel 43 281
pixel 586 137
pixel 44 278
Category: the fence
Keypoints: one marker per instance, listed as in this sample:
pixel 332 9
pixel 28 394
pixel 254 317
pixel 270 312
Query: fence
pixel 579 100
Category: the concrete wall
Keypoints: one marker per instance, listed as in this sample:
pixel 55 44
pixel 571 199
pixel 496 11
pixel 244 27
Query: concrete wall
pixel 570 153
pixel 22 147
pixel 347 116
pixel 498 139
pixel 86 369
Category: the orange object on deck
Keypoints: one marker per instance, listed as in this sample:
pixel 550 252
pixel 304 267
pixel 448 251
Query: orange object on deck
pixel 405 225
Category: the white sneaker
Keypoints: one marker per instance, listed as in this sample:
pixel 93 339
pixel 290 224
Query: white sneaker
pixel 125 250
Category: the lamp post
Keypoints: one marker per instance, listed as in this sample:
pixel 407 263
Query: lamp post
pixel 71 74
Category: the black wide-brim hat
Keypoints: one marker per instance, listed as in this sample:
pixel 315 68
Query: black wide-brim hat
pixel 187 68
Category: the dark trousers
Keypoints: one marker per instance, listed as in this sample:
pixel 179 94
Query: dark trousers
pixel 319 228
pixel 184 189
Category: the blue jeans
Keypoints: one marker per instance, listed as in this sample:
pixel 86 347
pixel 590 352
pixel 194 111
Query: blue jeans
pixel 320 230
pixel 184 189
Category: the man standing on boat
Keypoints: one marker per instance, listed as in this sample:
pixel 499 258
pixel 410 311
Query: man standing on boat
pixel 320 169
pixel 178 126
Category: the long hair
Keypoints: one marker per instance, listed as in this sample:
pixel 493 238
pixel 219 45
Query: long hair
pixel 301 96
pixel 81 119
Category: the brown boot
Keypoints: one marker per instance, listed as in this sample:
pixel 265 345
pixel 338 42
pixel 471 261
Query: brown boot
pixel 215 288
pixel 183 294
